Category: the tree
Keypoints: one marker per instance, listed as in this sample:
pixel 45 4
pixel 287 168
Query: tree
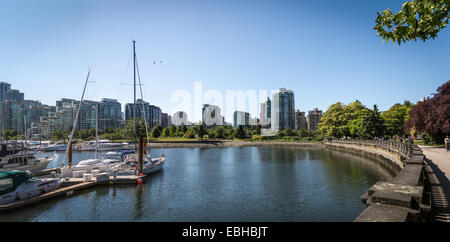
pixel 418 19
pixel 156 131
pixel 166 132
pixel 173 130
pixel 333 122
pixel 59 135
pixel 288 132
pixel 183 128
pixel 353 120
pixel 200 131
pixel 240 132
pixel 140 129
pixel 219 132
pixel 395 118
pixel 432 115
pixel 190 134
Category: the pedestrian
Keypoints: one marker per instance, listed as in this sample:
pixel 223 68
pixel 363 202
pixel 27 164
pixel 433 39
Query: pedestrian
pixel 447 143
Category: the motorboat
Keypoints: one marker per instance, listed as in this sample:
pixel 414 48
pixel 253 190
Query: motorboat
pixel 19 185
pixel 54 147
pixel 16 157
pixel 103 145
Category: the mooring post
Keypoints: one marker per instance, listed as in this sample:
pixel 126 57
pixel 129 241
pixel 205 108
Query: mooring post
pixel 141 151
pixel 70 154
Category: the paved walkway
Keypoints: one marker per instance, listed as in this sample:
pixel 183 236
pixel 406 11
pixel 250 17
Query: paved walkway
pixel 439 161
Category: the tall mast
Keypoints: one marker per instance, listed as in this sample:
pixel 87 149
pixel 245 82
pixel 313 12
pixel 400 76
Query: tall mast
pixel 134 78
pixel 96 133
pixel 74 126
pixel 25 119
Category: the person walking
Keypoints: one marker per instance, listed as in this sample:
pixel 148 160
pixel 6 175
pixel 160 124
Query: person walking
pixel 447 143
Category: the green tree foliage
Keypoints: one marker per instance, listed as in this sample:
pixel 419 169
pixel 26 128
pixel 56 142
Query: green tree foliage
pixel 10 134
pixel 190 134
pixel 58 135
pixel 240 133
pixel 173 130
pixel 353 120
pixel 366 123
pixel 395 118
pixel 156 131
pixel 417 19
pixel 333 122
pixel 140 129
pixel 200 131
pixel 166 132
pixel 219 132
pixel 116 134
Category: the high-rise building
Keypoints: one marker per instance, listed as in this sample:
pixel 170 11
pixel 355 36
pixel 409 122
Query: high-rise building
pixel 254 121
pixel 19 115
pixel 155 116
pixel 211 116
pixel 241 119
pixel 164 120
pixel 300 120
pixel 267 114
pixel 152 114
pixel 15 95
pixel 314 117
pixel 262 111
pixel 4 88
pixel 282 110
pixel 110 114
pixel 180 118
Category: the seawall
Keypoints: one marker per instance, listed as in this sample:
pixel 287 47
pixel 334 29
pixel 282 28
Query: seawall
pixel 405 198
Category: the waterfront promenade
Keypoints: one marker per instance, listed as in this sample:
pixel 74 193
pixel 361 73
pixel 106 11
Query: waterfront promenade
pixel 439 161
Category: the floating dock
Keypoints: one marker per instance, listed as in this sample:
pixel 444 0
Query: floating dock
pixel 69 186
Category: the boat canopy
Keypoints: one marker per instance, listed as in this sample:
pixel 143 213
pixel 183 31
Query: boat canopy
pixel 10 180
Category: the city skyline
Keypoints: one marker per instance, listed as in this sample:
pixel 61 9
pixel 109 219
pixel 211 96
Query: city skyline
pixel 266 45
pixel 124 106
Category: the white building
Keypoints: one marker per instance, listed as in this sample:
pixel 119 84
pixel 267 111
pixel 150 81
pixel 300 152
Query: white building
pixel 211 115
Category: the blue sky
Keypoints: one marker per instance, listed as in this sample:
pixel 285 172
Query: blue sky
pixel 325 51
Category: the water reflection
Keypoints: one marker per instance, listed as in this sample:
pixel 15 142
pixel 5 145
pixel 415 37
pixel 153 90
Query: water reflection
pixel 226 184
pixel 138 206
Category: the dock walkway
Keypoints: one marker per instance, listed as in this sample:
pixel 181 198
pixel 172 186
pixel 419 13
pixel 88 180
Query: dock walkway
pixel 439 161
pixel 69 187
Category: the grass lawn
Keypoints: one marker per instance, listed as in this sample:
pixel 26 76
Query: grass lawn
pixel 431 145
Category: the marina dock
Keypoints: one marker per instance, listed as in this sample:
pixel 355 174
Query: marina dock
pixel 69 186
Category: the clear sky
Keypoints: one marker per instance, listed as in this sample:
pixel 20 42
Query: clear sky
pixel 325 51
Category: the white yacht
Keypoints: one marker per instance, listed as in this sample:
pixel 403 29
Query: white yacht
pixel 16 157
pixel 103 164
pixel 128 167
pixel 103 145
pixel 19 185
pixel 54 147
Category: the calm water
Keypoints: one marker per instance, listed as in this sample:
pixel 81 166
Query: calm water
pixel 225 184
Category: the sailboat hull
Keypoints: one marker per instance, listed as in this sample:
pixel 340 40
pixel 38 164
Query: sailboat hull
pixel 153 168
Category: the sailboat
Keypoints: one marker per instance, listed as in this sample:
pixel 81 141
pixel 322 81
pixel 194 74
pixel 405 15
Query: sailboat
pixel 67 170
pixel 107 160
pixel 87 166
pixel 149 165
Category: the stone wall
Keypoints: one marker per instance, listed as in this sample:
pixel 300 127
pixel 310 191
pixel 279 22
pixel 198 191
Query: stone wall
pixel 405 198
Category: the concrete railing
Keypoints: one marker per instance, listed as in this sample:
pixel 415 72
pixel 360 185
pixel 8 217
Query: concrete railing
pixel 405 198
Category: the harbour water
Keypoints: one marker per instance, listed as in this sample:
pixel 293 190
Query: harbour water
pixel 224 184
